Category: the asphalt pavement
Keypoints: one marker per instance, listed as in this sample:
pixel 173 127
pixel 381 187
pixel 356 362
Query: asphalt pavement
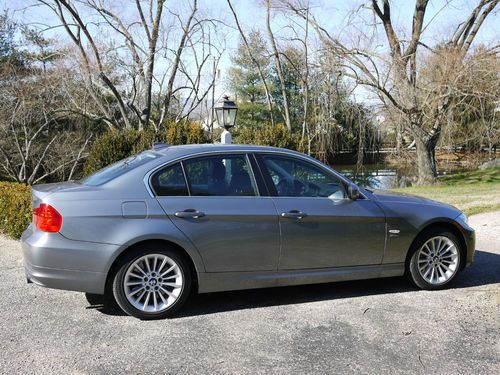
pixel 374 326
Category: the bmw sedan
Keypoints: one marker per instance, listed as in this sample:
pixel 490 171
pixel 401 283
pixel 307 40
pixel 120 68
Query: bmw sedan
pixel 153 228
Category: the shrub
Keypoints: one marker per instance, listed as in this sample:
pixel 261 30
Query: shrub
pixel 182 134
pixel 277 136
pixel 110 147
pixel 15 208
pixel 195 134
pixel 115 145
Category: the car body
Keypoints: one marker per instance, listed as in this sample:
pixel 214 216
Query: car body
pixel 239 216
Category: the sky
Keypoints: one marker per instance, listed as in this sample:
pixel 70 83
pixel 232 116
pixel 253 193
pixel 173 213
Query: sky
pixel 332 14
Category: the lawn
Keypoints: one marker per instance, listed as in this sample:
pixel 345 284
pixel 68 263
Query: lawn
pixel 471 192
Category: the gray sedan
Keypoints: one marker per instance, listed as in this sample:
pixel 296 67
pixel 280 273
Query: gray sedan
pixel 153 228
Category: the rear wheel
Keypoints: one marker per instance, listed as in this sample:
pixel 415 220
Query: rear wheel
pixel 152 283
pixel 436 259
pixel 94 299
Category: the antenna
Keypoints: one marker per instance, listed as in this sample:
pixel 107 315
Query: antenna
pixel 159 146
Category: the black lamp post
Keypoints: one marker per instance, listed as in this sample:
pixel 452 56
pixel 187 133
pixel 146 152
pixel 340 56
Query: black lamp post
pixel 226 111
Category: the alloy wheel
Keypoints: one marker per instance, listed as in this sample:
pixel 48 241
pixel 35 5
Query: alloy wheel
pixel 438 260
pixel 153 283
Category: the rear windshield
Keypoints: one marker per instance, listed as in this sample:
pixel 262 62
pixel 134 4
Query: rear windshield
pixel 117 169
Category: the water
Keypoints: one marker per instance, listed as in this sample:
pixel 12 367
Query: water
pixel 383 176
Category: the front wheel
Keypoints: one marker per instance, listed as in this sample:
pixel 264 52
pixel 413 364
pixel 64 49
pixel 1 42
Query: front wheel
pixel 435 260
pixel 152 284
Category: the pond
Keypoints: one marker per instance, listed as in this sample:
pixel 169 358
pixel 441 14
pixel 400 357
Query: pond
pixel 383 176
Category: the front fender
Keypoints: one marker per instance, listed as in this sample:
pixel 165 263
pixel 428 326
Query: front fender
pixel 406 220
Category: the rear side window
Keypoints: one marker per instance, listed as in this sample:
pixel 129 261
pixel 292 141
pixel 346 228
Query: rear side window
pixel 119 168
pixel 220 175
pixel 169 181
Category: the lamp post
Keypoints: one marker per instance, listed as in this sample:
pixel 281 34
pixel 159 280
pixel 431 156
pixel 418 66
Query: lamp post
pixel 225 111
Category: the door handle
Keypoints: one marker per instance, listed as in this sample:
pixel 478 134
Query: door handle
pixel 294 214
pixel 189 214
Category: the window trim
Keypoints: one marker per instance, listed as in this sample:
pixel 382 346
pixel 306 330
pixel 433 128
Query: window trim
pixel 259 176
pixel 159 170
pixel 188 185
pixel 266 176
pixel 256 153
pixel 246 154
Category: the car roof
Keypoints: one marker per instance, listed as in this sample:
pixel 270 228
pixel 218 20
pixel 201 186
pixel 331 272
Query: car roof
pixel 171 152
pixel 166 154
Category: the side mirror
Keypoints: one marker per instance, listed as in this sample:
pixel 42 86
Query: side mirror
pixel 353 192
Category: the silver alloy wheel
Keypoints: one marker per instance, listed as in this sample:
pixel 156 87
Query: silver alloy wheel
pixel 438 260
pixel 153 283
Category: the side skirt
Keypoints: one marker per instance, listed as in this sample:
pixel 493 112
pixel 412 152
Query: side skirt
pixel 224 281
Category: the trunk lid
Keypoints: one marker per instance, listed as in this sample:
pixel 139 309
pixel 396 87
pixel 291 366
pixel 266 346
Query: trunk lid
pixel 40 192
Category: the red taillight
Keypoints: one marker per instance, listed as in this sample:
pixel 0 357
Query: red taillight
pixel 46 218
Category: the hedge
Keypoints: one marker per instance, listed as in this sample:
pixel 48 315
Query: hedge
pixel 15 208
pixel 277 136
pixel 115 145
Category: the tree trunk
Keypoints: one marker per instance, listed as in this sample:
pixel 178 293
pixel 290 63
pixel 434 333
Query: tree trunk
pixel 257 65
pixel 426 161
pixel 279 68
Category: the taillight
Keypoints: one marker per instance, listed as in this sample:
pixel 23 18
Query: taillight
pixel 46 218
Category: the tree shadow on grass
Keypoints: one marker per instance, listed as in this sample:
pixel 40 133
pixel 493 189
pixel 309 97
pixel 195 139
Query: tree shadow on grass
pixel 485 271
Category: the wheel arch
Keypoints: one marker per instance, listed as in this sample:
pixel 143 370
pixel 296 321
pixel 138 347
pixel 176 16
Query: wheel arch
pixel 194 267
pixel 444 224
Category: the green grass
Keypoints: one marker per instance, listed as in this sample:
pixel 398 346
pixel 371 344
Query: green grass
pixel 472 192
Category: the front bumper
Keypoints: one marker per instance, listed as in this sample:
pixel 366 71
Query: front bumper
pixel 53 261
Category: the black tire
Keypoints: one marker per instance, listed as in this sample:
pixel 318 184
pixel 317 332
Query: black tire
pixel 412 266
pixel 118 286
pixel 94 299
pixel 105 302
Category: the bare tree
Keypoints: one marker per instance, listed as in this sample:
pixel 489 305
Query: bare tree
pixel 279 68
pixel 79 33
pixel 300 63
pixel 396 80
pixel 136 57
pixel 186 29
pixel 257 65
pixel 33 147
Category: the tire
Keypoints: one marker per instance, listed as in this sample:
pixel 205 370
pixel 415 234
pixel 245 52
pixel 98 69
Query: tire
pixel 94 299
pixel 152 282
pixel 435 259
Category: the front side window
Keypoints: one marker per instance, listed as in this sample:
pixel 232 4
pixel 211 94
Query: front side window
pixel 169 181
pixel 296 178
pixel 220 175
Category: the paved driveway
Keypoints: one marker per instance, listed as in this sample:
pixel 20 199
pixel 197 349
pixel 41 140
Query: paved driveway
pixel 380 326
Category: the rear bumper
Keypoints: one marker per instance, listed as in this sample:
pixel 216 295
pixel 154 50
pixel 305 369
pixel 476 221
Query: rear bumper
pixel 53 261
pixel 90 282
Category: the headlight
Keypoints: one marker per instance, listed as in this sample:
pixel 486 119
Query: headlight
pixel 463 218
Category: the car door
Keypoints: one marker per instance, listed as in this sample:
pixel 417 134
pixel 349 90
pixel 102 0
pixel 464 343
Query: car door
pixel 215 201
pixel 320 226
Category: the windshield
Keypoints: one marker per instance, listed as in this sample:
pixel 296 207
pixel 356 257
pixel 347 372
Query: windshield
pixel 117 169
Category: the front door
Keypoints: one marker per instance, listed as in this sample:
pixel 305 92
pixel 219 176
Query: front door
pixel 320 226
pixel 215 202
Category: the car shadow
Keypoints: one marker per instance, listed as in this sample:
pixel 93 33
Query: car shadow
pixel 484 271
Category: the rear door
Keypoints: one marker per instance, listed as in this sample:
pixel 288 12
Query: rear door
pixel 320 226
pixel 215 201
